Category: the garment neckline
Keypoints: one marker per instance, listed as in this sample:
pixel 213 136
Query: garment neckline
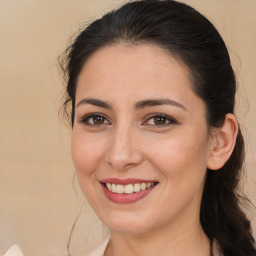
pixel 101 249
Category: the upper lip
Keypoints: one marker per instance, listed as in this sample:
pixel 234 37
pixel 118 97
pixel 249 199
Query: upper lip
pixel 126 181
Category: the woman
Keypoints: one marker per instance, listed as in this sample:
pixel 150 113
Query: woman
pixel 156 146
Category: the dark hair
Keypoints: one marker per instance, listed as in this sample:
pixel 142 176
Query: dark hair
pixel 192 39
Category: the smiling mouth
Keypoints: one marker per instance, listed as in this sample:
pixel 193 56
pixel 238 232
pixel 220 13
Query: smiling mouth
pixel 129 188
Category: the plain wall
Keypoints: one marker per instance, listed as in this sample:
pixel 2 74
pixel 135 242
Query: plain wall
pixel 38 204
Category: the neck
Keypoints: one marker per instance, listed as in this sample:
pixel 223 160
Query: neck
pixel 190 241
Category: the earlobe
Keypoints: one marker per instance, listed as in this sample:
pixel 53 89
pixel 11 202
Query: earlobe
pixel 223 143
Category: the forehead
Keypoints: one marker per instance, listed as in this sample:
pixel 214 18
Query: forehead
pixel 138 71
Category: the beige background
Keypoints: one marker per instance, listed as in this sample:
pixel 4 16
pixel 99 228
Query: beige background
pixel 38 204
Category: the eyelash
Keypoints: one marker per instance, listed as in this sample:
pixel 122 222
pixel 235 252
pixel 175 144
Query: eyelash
pixel 167 118
pixel 170 120
pixel 86 118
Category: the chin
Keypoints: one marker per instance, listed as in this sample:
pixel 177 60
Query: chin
pixel 126 223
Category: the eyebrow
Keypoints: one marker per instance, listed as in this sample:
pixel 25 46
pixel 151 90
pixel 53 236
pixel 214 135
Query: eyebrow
pixel 157 102
pixel 139 105
pixel 95 102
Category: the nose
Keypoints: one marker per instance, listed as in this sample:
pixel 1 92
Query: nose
pixel 122 151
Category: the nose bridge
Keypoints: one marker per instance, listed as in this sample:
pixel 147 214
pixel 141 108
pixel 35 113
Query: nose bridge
pixel 122 149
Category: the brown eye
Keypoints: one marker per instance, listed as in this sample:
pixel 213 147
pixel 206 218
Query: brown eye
pixel 160 120
pixel 94 119
pixel 98 120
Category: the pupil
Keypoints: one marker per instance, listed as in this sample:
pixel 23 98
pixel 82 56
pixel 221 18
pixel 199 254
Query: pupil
pixel 98 120
pixel 160 120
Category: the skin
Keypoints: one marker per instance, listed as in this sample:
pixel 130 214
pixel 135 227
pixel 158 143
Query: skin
pixel 129 143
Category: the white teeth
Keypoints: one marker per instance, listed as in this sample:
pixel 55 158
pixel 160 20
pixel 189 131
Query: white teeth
pixel 113 188
pixel 136 187
pixel 143 186
pixel 119 189
pixel 129 188
pixel 149 185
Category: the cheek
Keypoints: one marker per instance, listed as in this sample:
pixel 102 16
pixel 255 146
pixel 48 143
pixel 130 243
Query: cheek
pixel 85 154
pixel 177 154
pixel 181 162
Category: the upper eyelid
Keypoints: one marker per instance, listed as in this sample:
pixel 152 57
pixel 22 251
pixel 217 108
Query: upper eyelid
pixel 157 114
pixel 91 115
pixel 149 116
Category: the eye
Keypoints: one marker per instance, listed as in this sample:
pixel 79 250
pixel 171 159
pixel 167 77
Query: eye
pixel 94 119
pixel 160 120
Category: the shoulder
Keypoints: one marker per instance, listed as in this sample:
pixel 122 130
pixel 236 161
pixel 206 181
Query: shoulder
pixel 100 250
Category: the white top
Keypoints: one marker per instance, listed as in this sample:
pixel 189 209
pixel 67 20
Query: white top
pixel 99 251
pixel 14 251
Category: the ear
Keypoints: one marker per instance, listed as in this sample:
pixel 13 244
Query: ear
pixel 223 143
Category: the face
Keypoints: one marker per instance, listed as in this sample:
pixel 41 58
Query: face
pixel 140 142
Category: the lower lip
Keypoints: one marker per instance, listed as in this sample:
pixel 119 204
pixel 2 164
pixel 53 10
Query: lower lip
pixel 126 198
